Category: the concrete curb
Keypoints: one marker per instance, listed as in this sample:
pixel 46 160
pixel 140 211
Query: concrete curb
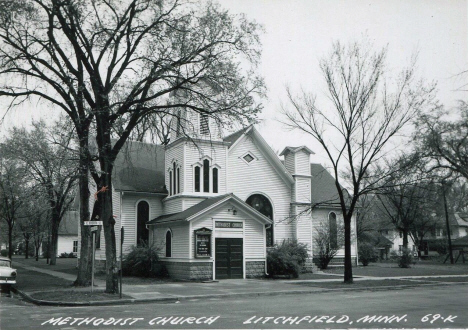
pixel 211 296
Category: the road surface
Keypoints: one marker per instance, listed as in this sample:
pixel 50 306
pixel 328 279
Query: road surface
pixel 420 307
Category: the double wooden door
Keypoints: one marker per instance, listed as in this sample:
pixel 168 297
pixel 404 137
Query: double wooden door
pixel 229 258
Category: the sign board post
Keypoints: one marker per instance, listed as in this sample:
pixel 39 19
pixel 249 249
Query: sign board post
pixel 122 232
pixel 94 254
pixel 96 225
pixel 203 243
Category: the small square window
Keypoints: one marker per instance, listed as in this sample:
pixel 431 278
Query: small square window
pixel 248 158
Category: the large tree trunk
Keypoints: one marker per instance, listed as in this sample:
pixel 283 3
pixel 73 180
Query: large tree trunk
pixel 348 271
pixel 54 237
pixel 104 197
pixel 86 252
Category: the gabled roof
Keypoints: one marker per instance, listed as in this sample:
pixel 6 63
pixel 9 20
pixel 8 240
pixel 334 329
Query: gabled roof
pixel 378 240
pixel 232 138
pixel 205 206
pixel 139 167
pixel 69 223
pixel 264 148
pixel 296 149
pixel 323 189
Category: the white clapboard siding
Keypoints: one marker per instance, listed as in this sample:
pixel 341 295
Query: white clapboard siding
pixel 180 239
pixel 254 244
pixel 172 205
pixel 189 202
pixel 260 177
pixel 303 191
pixel 304 227
pixel 129 215
pixel 289 162
pixel 302 163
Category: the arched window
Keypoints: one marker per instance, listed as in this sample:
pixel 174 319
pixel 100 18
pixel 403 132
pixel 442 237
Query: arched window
pixel 170 184
pixel 168 244
pixel 215 180
pixel 332 225
pixel 142 219
pixel 174 181
pixel 197 178
pixel 263 205
pixel 178 180
pixel 206 175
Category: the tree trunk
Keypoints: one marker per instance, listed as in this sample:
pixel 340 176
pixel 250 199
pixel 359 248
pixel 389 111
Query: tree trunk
pixel 348 271
pixel 26 243
pixel 86 252
pixel 405 238
pixel 10 241
pixel 54 237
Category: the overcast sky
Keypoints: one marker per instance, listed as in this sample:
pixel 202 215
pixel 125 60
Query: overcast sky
pixel 298 33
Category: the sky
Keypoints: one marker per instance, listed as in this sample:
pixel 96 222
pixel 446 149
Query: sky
pixel 300 32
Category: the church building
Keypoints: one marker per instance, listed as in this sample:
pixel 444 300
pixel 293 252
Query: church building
pixel 214 205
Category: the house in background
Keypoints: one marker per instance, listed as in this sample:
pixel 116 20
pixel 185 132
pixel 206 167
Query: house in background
pixel 68 233
pixel 213 205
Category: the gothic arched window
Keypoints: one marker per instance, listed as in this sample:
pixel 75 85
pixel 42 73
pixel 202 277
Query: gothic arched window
pixel 206 175
pixel 168 243
pixel 142 219
pixel 215 180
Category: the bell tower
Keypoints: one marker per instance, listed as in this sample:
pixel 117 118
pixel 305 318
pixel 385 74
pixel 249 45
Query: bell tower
pixel 196 160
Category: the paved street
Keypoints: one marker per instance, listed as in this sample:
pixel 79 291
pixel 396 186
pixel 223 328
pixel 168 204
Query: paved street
pixel 406 308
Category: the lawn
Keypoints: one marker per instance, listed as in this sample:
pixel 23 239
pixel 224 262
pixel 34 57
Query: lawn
pixel 361 284
pixel 76 296
pixel 391 269
pixel 28 281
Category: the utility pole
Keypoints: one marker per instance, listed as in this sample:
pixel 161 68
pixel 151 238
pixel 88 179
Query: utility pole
pixel 447 223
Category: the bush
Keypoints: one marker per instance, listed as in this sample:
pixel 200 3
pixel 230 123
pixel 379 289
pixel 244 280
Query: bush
pixel 404 258
pixel 367 253
pixel 63 255
pixel 288 258
pixel 143 261
pixel 4 253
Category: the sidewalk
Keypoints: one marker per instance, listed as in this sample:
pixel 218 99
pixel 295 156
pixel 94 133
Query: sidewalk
pixel 174 291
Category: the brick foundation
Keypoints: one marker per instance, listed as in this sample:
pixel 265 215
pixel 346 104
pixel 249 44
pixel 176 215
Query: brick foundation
pixel 254 269
pixel 189 270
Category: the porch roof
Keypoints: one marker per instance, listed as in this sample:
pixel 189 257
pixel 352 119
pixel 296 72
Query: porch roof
pixel 207 205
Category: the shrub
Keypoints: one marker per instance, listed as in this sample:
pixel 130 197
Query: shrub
pixel 367 253
pixel 4 253
pixel 288 258
pixel 404 258
pixel 63 255
pixel 143 261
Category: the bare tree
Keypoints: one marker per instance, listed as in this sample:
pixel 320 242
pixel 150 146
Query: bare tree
pixel 12 187
pixel 50 165
pixel 108 62
pixel 364 116
pixel 442 139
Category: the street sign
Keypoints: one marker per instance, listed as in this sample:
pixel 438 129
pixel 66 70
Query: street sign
pixel 93 223
pixel 94 228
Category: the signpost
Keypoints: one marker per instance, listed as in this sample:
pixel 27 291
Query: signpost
pixel 122 233
pixel 95 228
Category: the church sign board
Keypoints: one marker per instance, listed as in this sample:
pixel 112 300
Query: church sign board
pixel 226 224
pixel 203 243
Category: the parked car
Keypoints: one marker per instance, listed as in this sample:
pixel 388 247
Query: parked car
pixel 7 274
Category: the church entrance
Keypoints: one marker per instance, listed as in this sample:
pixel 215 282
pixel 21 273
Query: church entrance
pixel 229 258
